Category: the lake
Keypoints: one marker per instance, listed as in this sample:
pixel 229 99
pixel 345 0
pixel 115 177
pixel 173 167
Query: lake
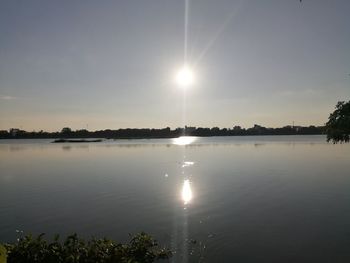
pixel 222 199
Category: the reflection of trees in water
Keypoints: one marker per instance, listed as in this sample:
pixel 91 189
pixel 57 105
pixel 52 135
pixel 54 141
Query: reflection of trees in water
pixel 66 148
pixel 16 148
pixel 75 147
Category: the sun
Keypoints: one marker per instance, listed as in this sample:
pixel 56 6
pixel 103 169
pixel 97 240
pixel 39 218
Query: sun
pixel 185 77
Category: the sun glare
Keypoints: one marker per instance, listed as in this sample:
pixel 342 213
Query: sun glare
pixel 186 192
pixel 184 140
pixel 185 77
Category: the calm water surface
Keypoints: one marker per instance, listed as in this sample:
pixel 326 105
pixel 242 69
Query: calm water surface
pixel 222 199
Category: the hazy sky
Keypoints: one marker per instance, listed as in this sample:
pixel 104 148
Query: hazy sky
pixel 111 64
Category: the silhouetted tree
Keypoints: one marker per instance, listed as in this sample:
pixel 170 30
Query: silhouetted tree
pixel 4 134
pixel 338 125
pixel 66 130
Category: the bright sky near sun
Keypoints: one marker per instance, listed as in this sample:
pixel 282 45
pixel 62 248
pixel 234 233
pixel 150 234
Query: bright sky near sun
pixel 115 64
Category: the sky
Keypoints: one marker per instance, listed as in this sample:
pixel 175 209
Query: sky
pixel 111 64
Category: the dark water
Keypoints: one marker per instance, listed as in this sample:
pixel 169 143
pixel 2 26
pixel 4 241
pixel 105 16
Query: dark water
pixel 254 199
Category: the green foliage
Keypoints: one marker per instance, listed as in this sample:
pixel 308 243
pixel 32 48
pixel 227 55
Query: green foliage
pixel 29 249
pixel 3 254
pixel 338 125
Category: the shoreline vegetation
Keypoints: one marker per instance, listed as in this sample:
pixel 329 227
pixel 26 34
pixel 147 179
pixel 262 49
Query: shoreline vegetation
pixel 66 134
pixel 73 249
pixel 75 141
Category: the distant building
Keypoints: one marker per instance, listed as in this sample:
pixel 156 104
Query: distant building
pixel 14 132
pixel 297 128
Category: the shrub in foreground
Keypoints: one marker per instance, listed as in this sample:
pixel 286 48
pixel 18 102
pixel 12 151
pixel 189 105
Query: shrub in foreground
pixel 141 248
pixel 338 125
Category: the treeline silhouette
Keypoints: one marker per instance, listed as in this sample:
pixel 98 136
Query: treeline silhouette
pixel 162 133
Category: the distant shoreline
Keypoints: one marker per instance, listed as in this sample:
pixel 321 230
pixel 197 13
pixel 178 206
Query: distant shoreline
pixel 67 133
pixel 75 140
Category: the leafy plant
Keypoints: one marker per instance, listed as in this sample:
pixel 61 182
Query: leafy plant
pixel 30 249
pixel 338 125
pixel 3 254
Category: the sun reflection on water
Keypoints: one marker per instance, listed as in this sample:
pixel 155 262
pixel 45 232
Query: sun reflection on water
pixel 184 140
pixel 187 164
pixel 186 192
